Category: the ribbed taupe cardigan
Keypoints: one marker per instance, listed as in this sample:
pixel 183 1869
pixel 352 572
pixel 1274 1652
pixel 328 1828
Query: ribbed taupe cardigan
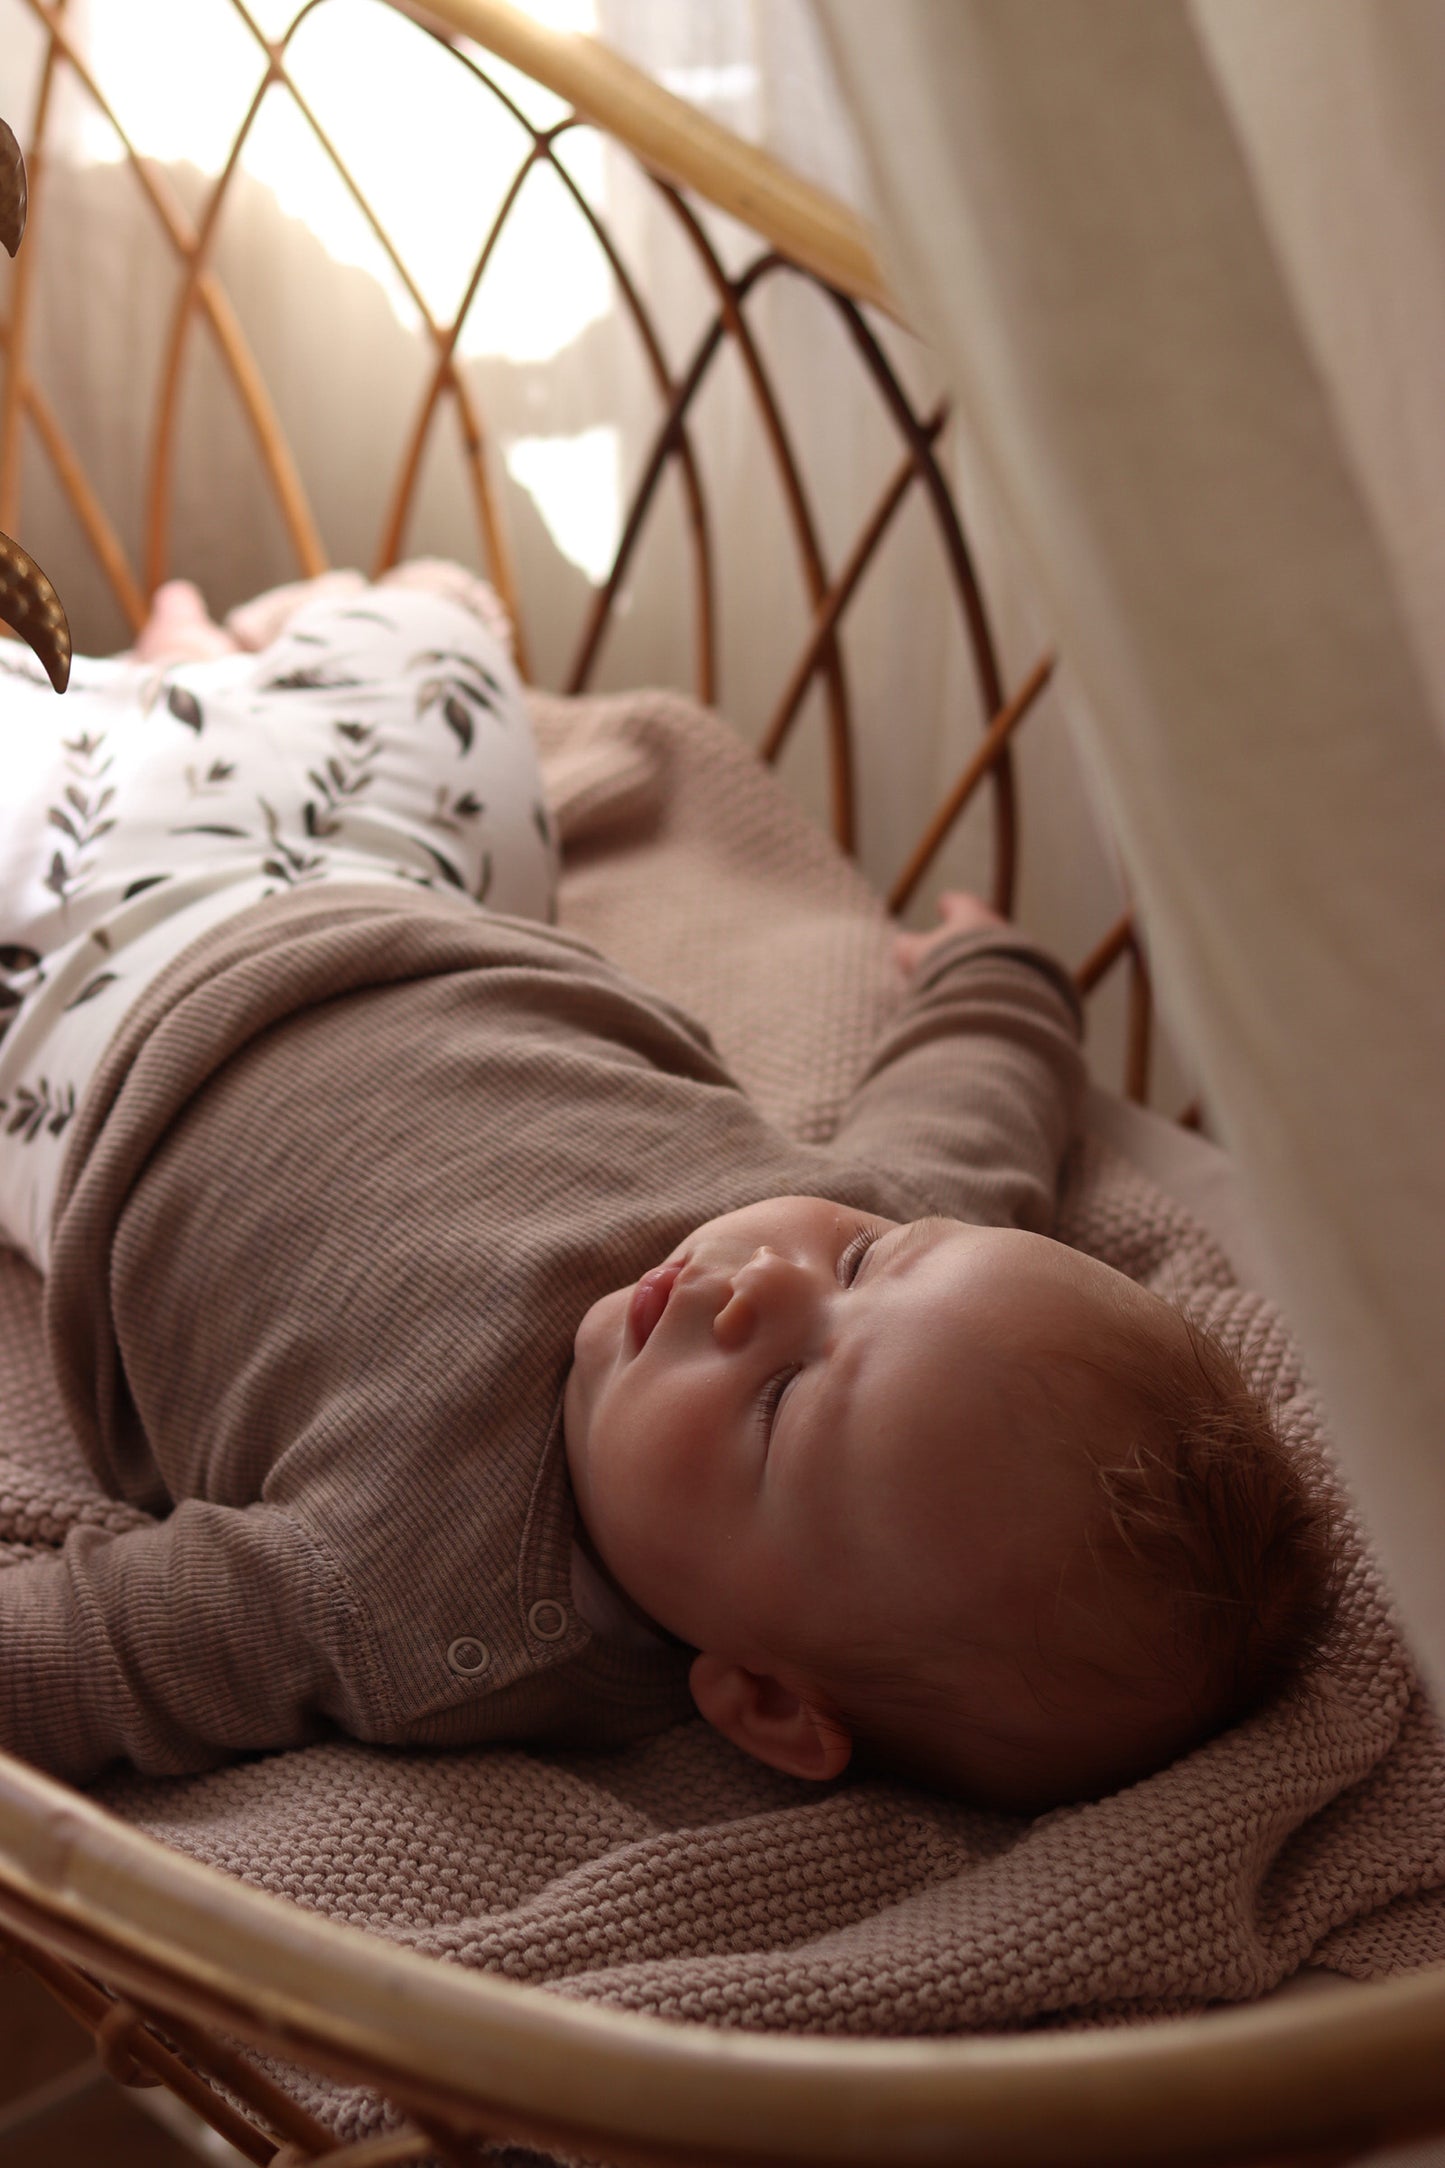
pixel 344 1186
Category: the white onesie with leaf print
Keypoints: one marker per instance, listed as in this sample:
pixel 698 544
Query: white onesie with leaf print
pixel 381 737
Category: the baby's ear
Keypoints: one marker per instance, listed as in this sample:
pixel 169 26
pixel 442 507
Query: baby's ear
pixel 768 1720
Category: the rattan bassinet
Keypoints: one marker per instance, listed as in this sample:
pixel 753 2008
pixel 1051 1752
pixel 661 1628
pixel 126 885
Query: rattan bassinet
pixel 172 1964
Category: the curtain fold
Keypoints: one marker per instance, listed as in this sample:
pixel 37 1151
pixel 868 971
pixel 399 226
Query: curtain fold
pixel 1130 284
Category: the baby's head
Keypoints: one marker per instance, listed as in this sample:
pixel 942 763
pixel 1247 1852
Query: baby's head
pixel 960 1497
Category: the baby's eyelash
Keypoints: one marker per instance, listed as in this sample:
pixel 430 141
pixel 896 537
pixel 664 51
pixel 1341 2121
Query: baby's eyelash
pixel 855 1253
pixel 773 1392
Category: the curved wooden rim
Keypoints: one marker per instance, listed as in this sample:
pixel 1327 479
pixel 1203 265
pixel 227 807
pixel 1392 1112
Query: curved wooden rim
pixel 679 143
pixel 1364 2062
pixel 1360 2061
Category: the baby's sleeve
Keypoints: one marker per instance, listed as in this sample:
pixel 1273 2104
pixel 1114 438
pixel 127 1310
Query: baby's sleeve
pixel 973 1095
pixel 177 1645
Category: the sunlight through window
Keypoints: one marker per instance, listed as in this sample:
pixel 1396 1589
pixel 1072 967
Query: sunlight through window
pixel 340 56
pixel 576 485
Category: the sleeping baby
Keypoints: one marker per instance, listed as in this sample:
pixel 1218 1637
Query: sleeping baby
pixel 477 1360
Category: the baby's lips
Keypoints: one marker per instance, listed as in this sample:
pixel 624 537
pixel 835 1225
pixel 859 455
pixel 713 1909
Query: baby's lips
pixel 649 1300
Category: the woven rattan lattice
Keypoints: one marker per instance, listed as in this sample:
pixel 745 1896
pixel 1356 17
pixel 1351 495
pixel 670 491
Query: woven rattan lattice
pixel 832 572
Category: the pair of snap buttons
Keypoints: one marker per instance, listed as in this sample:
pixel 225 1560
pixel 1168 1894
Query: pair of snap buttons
pixel 469 1658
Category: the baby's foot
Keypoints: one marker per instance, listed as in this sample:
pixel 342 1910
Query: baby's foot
pixel 180 629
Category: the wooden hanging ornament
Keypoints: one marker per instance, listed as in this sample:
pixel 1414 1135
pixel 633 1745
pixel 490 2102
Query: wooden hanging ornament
pixel 29 604
pixel 13 197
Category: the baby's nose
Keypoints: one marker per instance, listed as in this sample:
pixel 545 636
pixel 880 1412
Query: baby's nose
pixel 758 1292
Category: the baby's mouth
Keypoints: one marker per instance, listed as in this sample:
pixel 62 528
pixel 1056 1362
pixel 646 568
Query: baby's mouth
pixel 649 1300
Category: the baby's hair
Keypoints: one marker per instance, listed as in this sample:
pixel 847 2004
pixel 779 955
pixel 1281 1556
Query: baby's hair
pixel 1207 1514
pixel 1209 1508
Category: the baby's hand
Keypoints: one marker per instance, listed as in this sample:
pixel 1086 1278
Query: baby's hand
pixel 958 913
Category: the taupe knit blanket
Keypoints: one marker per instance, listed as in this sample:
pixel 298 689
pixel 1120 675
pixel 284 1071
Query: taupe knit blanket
pixel 677 1877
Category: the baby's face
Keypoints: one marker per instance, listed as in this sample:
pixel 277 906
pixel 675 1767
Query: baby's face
pixel 802 1427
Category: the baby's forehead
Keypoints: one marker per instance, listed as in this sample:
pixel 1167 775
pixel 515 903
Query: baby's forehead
pixel 1007 1269
pixel 966 1315
pixel 1072 1302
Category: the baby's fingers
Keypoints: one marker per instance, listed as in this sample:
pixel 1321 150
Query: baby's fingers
pixel 957 913
pixel 909 950
pixel 958 910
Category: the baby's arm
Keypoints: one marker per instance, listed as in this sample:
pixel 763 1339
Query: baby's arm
pixel 179 1644
pixel 972 1096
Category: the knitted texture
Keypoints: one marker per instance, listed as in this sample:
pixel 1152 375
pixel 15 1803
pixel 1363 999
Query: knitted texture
pixel 675 1876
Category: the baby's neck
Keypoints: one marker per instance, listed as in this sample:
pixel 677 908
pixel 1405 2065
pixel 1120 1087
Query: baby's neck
pixel 613 1589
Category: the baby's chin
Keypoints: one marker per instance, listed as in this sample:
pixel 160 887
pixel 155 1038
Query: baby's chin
pixel 596 1347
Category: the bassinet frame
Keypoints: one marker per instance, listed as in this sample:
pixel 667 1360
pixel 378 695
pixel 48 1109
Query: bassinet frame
pixel 169 1962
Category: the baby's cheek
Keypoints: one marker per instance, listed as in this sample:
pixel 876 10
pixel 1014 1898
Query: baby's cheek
pixel 677 1458
pixel 597 1340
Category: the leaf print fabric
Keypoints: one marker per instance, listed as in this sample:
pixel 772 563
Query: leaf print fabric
pixel 33 1110
pixel 384 740
pixel 85 796
pixel 186 708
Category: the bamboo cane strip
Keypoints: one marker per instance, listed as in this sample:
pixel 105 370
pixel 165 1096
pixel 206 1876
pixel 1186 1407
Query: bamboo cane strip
pixel 394 525
pixel 1005 824
pixel 684 391
pixel 954 541
pixel 262 41
pixel 115 2044
pixel 362 201
pixel 447 379
pixel 496 543
pixel 1140 1031
pixel 240 2076
pixel 101 535
pixel 292 499
pixel 390 2150
pixel 168 406
pixel 839 595
pixel 1119 937
pixel 88 2005
pixel 171 216
pixel 456 2150
pixel 496 548
pixel 989 748
pixel 679 143
pixel 705 645
pixel 200 288
pixel 284 475
pixel 77 1996
pixel 805 537
pixel 41 2101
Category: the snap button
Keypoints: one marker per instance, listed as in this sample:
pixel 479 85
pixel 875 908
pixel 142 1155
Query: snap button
pixel 468 1656
pixel 547 1620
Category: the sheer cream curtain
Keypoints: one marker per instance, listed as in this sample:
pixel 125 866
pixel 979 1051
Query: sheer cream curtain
pixel 1185 267
pixel 765 69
